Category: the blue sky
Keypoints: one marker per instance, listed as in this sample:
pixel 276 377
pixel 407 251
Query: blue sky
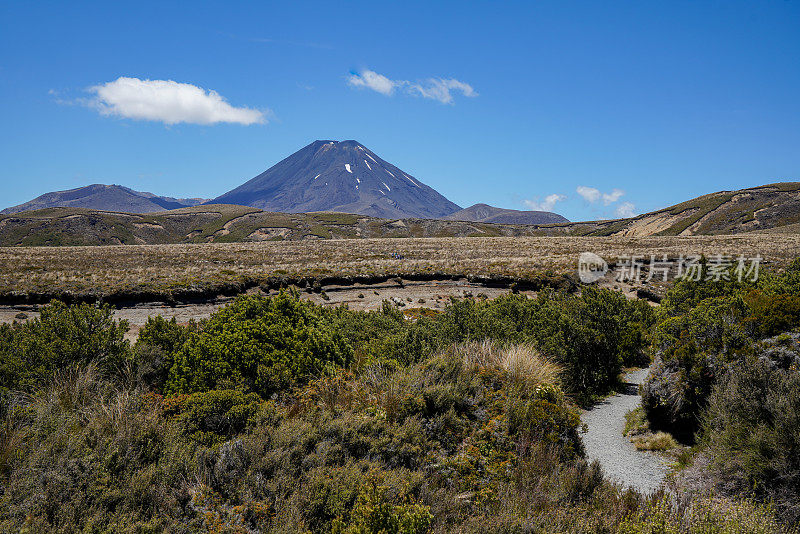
pixel 637 105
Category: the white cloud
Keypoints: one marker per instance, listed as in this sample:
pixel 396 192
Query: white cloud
pixel 589 194
pixel 546 205
pixel 373 80
pixel 439 89
pixel 168 102
pixel 626 209
pixel 592 195
pixel 613 196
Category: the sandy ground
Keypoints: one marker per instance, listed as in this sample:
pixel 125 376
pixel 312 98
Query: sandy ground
pixel 605 442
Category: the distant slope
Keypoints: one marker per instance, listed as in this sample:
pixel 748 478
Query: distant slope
pixel 725 212
pixel 770 208
pixel 339 176
pixel 222 223
pixel 490 214
pixel 105 197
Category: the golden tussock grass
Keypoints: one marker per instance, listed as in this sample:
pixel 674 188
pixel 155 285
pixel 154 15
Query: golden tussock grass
pixel 660 441
pixel 522 363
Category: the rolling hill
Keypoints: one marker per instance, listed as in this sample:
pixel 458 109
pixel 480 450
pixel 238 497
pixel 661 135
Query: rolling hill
pixel 221 223
pixel 490 214
pixel 105 197
pixel 766 207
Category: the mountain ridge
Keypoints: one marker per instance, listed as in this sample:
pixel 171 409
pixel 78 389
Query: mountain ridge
pixel 104 197
pixel 771 208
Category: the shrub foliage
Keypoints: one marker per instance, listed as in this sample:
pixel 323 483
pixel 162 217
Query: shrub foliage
pixel 261 344
pixel 277 415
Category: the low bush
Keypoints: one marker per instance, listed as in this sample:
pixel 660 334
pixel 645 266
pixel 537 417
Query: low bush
pixel 659 441
pixel 262 345
pixel 704 516
pixel 282 416
pixel 374 513
pixel 704 328
pixel 169 336
pixel 752 431
pixel 90 456
pixel 61 337
pixel 153 353
pixel 636 422
pixel 213 417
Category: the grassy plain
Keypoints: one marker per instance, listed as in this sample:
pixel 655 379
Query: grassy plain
pixel 164 268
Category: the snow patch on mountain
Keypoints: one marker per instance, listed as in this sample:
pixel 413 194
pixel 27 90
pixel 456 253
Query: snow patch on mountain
pixel 410 180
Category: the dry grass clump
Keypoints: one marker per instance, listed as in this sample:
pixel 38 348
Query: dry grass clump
pixel 523 363
pixel 74 387
pixel 637 428
pixel 660 441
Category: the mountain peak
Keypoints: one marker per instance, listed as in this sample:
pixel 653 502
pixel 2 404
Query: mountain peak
pixel 342 176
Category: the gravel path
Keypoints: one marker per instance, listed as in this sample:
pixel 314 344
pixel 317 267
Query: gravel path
pixel 604 442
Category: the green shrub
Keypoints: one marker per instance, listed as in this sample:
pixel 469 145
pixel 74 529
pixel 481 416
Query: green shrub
pixel 330 494
pixel 541 416
pixel 752 430
pixel 373 334
pixel 692 352
pixel 168 336
pixel 636 422
pixel 263 344
pixel 212 417
pixel 688 292
pixel 591 337
pixel 771 313
pixel 704 516
pixel 61 337
pixel 375 514
pixel 706 326
pixel 154 351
